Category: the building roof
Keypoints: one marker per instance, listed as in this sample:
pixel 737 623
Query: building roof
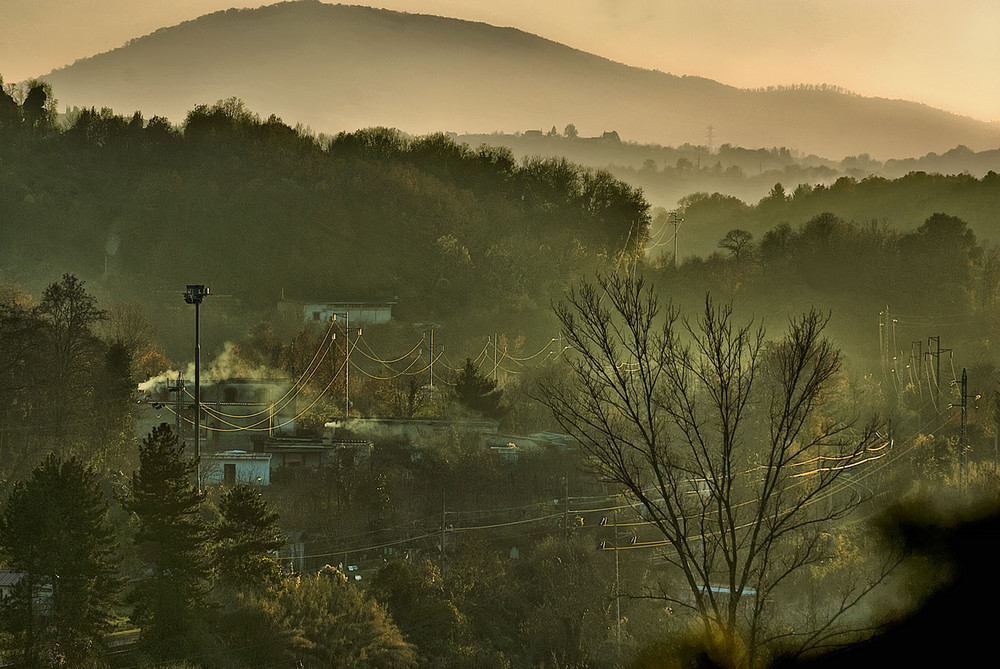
pixel 235 455
pixel 10 578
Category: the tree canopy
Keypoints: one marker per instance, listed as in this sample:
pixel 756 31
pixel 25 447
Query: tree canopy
pixel 55 531
pixel 169 597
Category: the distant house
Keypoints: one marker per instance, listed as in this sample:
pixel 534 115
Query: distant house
pixel 233 410
pixel 414 429
pixel 314 453
pixel 507 454
pixel 232 467
pixel 358 312
pixel 9 580
pixel 606 137
pixel 236 409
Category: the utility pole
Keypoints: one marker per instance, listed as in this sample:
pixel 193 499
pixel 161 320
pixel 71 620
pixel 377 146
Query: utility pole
pixel 194 294
pixel 887 341
pixel 444 516
pixel 178 389
pixel 673 218
pixel 496 364
pixel 964 444
pixel 270 413
pixel 347 360
pixel 618 591
pixel 937 355
pixel 918 359
pixel 432 359
pixel 566 508
pixel 964 455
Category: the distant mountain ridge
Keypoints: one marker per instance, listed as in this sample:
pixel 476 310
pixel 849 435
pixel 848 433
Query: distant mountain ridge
pixel 341 67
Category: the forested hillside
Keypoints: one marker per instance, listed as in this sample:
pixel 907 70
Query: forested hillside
pixel 668 174
pixel 259 211
pixel 900 204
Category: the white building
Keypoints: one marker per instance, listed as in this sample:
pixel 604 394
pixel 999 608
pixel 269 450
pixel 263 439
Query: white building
pixel 358 312
pixel 231 467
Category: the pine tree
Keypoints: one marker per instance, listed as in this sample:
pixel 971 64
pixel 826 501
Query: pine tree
pixel 477 392
pixel 244 539
pixel 170 597
pixel 55 531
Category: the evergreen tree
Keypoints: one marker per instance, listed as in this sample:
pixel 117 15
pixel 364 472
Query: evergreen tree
pixel 245 537
pixel 38 108
pixel 171 540
pixel 55 532
pixel 477 392
pixel 318 620
pixel 10 112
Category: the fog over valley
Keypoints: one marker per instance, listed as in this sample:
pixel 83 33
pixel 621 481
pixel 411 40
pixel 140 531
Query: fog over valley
pixel 339 336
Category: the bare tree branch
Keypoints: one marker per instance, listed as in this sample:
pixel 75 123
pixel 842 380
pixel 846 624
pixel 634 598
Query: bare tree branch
pixel 720 436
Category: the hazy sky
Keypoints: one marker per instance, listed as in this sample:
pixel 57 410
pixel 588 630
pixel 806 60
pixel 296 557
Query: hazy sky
pixel 945 53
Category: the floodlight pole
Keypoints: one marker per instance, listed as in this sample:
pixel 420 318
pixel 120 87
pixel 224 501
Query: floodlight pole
pixel 194 294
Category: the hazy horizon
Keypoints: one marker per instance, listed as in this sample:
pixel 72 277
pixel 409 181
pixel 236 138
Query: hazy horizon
pixel 938 53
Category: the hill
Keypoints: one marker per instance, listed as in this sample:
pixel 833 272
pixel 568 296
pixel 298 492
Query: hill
pixel 260 212
pixel 336 67
pixel 667 175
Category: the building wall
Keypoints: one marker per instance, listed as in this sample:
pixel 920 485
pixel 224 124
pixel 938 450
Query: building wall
pixel 234 411
pixel 358 313
pixel 238 409
pixel 252 468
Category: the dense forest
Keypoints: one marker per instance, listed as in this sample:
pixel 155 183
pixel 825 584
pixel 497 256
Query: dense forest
pixel 367 215
pixel 900 204
pixel 821 341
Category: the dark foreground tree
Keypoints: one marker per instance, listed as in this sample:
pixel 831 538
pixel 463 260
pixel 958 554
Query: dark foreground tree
pixel 55 533
pixel 72 314
pixel 738 242
pixel 317 620
pixel 477 392
pixel 170 595
pixel 721 439
pixel 415 596
pixel 245 539
pixel 74 353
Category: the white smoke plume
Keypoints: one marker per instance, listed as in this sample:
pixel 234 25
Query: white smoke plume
pixel 226 365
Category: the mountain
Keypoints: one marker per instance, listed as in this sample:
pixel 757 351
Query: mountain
pixel 337 67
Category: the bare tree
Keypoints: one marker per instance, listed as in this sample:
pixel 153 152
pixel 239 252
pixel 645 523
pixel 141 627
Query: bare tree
pixel 722 440
pixel 738 242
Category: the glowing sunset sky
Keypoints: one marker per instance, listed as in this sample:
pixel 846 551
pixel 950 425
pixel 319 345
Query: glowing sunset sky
pixel 944 53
